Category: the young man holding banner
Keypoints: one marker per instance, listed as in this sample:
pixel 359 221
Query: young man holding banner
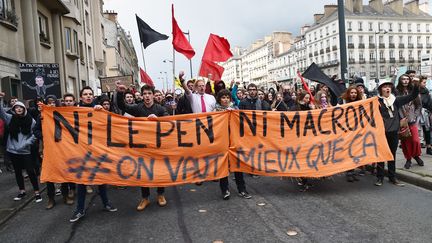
pixel 87 100
pixel 148 108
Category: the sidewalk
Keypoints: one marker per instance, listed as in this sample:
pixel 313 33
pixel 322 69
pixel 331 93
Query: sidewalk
pixel 8 190
pixel 417 175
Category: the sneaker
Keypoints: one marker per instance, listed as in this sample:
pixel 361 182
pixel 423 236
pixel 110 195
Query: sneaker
pixel 110 208
pixel 226 195
pixel 67 200
pixel 161 200
pixel 38 198
pixel 58 192
pixel 245 194
pixel 20 196
pixel 255 176
pixel 362 172
pixel 89 189
pixel 76 216
pixel 379 182
pixel 143 204
pixel 396 182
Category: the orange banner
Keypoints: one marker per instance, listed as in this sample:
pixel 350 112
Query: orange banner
pixel 85 146
pixel 312 143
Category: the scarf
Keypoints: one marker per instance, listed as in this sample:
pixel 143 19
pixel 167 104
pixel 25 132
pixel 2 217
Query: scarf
pixel 388 102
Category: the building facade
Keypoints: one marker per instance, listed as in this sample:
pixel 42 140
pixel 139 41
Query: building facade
pixel 70 33
pixel 380 37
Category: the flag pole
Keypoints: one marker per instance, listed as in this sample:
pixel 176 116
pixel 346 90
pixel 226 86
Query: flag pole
pixel 142 51
pixel 174 76
pixel 190 60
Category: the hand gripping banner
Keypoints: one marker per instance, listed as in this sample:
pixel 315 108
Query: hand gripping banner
pixel 85 146
pixel 312 143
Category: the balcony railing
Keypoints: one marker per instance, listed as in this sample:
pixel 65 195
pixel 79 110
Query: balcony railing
pixel 410 45
pixel 393 60
pixel 322 51
pixel 391 45
pixel 362 60
pixel 361 46
pixel 401 45
pixel 382 60
pixel 334 48
pixel 328 49
pixel 371 45
pixel 351 45
pixel 381 45
pixel 351 61
pixel 411 59
pixel 401 59
pixel 419 45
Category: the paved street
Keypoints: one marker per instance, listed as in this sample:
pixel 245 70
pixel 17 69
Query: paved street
pixel 332 211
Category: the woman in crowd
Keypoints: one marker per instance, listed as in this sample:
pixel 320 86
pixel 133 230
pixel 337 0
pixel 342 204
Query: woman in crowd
pixel 411 111
pixel 390 107
pixel 261 94
pixel 18 146
pixel 351 95
pixel 322 100
pixel 270 97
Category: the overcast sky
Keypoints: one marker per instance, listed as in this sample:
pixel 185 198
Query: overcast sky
pixel 240 21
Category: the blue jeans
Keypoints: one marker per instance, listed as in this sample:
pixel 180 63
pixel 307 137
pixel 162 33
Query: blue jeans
pixel 82 192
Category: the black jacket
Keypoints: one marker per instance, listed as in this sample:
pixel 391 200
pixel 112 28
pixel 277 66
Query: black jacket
pixel 392 124
pixel 426 99
pixel 251 104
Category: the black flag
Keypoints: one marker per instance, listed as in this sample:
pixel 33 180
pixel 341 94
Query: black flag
pixel 148 35
pixel 314 73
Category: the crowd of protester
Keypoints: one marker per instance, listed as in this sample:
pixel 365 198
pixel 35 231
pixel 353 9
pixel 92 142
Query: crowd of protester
pixel 21 129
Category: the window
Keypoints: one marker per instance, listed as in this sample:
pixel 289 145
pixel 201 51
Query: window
pixel 400 39
pixel 409 27
pixel 410 54
pixel 418 28
pixel 409 39
pixel 75 43
pixel 370 26
pixel 360 26
pixel 350 39
pixel 87 19
pixel 361 55
pixel 380 26
pixel 371 55
pixel 361 39
pixel 43 28
pixel 7 6
pixel 418 39
pixel 90 56
pixel 381 39
pixel 381 54
pixel 427 27
pixel 391 39
pixel 327 30
pixel 390 26
pixel 427 39
pixel 81 53
pixel 401 54
pixel 334 28
pixel 400 27
pixel 391 53
pixel 349 25
pixel 68 39
pixel 419 55
pixel 371 39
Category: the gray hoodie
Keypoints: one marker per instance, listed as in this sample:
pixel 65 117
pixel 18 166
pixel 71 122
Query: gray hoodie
pixel 24 142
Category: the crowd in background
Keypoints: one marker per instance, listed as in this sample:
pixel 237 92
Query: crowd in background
pixel 406 109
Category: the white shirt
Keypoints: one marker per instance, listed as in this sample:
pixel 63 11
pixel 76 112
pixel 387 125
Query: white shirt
pixel 195 100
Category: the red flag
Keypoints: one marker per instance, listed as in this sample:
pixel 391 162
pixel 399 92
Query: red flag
pixel 217 49
pixel 306 87
pixel 180 43
pixel 209 67
pixel 145 78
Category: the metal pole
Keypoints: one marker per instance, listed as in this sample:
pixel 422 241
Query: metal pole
pixel 342 41
pixel 174 76
pixel 142 51
pixel 190 61
pixel 377 76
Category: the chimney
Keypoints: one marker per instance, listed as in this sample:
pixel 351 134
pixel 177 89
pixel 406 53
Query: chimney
pixel 111 15
pixel 425 7
pixel 358 6
pixel 317 17
pixel 397 6
pixel 349 5
pixel 329 9
pixel 413 6
pixel 377 5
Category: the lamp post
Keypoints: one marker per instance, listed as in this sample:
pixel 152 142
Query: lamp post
pixel 342 41
pixel 190 60
pixel 166 79
pixel 376 54
pixel 173 70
